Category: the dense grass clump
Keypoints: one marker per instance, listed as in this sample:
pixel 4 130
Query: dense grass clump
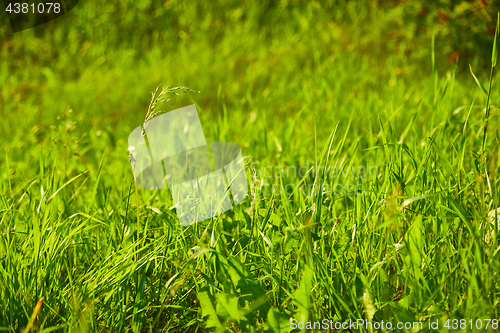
pixel 373 172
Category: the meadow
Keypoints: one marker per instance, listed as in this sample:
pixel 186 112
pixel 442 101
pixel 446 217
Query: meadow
pixel 371 151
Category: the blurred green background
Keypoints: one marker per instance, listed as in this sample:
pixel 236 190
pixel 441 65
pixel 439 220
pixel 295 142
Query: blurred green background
pixel 103 60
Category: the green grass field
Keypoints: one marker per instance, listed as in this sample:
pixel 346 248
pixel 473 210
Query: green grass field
pixel 373 178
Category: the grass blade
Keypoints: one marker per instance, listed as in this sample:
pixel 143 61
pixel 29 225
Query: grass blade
pixel 477 81
pixel 494 53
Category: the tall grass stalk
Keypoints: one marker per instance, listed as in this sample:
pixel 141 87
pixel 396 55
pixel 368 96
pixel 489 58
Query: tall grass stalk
pixel 153 111
pixel 494 55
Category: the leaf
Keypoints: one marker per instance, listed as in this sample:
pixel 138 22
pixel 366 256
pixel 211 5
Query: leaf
pixel 290 241
pixel 210 282
pixel 445 161
pixel 415 242
pixel 247 287
pixel 228 308
pixel 369 307
pixel 303 295
pixel 140 303
pixel 208 309
pixel 268 242
pixel 66 184
pixel 410 200
pixel 494 54
pixel 477 81
pixel 276 321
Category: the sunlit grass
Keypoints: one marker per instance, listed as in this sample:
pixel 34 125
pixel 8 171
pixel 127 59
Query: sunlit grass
pixel 418 243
